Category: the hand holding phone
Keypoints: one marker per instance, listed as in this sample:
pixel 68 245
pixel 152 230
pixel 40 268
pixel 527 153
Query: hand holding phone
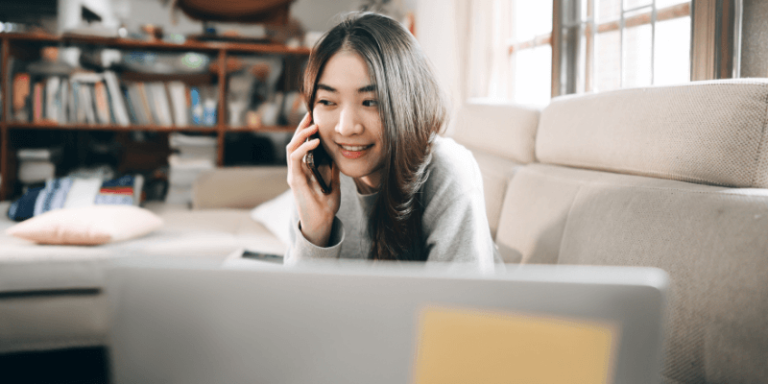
pixel 316 158
pixel 315 182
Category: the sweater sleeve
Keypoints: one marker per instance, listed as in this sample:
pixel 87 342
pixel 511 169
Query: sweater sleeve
pixel 299 248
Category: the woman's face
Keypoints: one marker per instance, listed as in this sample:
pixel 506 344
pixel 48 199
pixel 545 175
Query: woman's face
pixel 347 114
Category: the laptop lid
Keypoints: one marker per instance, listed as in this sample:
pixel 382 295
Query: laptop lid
pixel 384 323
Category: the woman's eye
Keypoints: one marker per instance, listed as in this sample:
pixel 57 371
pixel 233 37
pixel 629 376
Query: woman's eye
pixel 325 102
pixel 370 103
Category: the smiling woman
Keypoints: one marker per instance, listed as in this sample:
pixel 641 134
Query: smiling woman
pixel 398 190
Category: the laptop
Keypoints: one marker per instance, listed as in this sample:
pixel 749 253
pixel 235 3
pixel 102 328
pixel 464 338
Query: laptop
pixel 358 322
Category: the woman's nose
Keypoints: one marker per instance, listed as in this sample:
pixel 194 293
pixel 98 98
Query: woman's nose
pixel 349 124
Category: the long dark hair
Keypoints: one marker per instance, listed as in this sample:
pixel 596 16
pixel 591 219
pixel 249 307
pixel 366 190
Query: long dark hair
pixel 412 111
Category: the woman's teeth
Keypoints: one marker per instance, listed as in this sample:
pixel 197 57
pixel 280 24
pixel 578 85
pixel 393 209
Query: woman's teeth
pixel 354 148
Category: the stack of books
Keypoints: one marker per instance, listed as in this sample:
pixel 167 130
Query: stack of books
pixel 36 165
pixel 192 156
pixel 100 98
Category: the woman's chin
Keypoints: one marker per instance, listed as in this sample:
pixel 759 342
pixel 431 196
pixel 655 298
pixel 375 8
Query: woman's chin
pixel 353 171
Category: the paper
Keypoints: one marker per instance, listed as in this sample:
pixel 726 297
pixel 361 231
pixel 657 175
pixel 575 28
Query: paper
pixel 466 346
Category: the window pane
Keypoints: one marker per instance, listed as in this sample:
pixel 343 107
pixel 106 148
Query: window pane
pixel 608 61
pixel 629 4
pixel 668 3
pixel 608 10
pixel 531 19
pixel 672 56
pixel 637 56
pixel 533 71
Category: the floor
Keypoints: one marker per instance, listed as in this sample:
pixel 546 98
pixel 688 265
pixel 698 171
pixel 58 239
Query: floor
pixel 72 366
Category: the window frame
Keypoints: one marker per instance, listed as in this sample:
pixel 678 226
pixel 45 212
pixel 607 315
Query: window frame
pixel 715 41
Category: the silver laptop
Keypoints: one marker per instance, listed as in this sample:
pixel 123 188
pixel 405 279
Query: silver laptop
pixel 384 323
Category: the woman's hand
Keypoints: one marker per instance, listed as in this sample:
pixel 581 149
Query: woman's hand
pixel 316 209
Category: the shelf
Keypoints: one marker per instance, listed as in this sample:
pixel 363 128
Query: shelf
pixel 158 45
pixel 24 44
pixel 113 127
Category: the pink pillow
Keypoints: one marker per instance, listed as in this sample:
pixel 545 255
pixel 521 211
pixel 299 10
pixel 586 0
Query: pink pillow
pixel 92 225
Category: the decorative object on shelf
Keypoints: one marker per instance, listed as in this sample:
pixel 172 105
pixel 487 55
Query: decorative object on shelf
pixel 243 11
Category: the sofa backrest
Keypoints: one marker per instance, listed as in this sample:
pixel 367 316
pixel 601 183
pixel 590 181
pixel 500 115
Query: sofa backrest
pixel 499 152
pixel 704 132
pixel 670 177
pixel 241 187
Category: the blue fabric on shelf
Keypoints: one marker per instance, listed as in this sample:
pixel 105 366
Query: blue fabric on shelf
pixel 54 195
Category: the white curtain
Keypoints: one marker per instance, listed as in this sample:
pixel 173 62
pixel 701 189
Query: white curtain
pixel 488 70
pixel 442 28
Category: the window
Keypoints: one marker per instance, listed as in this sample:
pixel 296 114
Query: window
pixel 611 44
pixel 528 51
pixel 511 58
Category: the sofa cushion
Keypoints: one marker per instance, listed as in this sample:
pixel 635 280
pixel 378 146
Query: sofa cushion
pixel 496 172
pixel 498 151
pixel 703 132
pixel 712 240
pixel 246 188
pixel 502 129
pixel 213 234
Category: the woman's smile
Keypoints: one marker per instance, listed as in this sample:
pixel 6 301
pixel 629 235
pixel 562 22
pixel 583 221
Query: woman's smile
pixel 354 151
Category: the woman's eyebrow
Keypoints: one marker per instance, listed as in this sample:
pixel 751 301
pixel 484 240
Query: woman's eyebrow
pixel 367 88
pixel 326 88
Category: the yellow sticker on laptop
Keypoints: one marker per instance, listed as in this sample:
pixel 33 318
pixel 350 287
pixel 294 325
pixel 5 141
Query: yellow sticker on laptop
pixel 465 346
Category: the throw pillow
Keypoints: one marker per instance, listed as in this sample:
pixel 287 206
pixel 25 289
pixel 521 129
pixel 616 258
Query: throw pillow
pixel 275 214
pixel 92 225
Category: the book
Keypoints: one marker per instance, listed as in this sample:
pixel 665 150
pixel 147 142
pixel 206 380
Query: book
pixel 177 92
pixel 129 105
pixel 196 106
pixel 160 102
pixel 37 108
pixel 102 104
pixel 117 102
pixel 63 102
pixel 47 154
pixel 36 171
pixel 86 103
pixel 144 104
pixel 209 105
pixel 52 84
pixel 138 106
pixel 21 96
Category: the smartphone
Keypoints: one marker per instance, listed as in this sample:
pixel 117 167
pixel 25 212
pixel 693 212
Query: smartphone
pixel 263 256
pixel 316 158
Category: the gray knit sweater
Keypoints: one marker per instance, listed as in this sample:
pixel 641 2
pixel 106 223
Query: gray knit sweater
pixel 455 226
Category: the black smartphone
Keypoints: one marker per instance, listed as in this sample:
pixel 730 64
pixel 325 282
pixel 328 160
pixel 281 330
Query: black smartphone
pixel 263 256
pixel 315 159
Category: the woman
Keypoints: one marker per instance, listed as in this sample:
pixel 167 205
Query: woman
pixel 398 191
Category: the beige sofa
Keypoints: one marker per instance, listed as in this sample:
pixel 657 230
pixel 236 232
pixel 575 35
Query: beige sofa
pixel 670 177
pixel 50 296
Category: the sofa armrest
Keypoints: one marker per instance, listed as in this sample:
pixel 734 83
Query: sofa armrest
pixel 241 187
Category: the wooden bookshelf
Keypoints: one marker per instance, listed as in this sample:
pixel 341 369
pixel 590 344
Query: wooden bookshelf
pixel 10 44
pixel 150 128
